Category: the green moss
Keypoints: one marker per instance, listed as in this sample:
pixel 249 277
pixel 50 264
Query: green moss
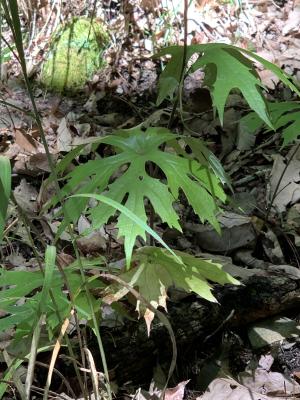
pixel 75 54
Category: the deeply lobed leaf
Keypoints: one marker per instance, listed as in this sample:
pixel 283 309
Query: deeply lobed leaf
pixel 285 117
pixel 157 271
pixel 134 185
pixel 226 68
pixel 34 289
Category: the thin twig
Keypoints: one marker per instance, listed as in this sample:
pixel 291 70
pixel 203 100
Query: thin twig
pixel 154 171
pixel 231 314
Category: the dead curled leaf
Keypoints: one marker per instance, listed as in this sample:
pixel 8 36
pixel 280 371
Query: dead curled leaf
pixel 288 191
pixel 229 389
pixel 64 259
pixel 176 393
pixel 33 165
pixel 39 162
pixel 26 197
pixel 64 136
pixel 93 243
pixel 26 142
pixel 157 271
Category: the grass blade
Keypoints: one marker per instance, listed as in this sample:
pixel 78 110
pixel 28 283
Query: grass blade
pixel 50 257
pixel 5 188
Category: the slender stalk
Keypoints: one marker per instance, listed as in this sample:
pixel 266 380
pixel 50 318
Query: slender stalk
pixel 11 13
pixel 32 356
pixel 183 66
pixel 27 224
pixel 154 171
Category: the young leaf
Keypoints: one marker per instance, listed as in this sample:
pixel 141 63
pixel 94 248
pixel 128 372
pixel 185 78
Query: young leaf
pixel 137 148
pixel 289 122
pixel 157 270
pixel 226 68
pixel 169 78
pixel 232 71
pixel 207 157
pixel 285 117
pixel 5 188
pixel 34 289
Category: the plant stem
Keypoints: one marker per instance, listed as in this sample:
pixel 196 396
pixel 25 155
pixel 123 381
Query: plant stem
pixel 183 66
pixel 12 17
pixel 154 170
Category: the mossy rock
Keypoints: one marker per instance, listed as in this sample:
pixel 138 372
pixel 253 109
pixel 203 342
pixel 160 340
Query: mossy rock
pixel 75 54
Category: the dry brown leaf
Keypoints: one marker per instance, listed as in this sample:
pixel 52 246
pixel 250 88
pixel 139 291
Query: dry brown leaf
pixel 269 383
pixel 228 389
pixel 268 78
pixel 293 22
pixel 33 165
pixel 39 162
pixel 26 196
pixel 176 393
pixel 150 5
pixel 261 386
pixel 288 191
pixel 64 136
pixel 64 259
pixel 26 141
pixel 91 244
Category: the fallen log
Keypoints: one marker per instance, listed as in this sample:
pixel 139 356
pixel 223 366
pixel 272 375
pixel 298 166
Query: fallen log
pixel 265 292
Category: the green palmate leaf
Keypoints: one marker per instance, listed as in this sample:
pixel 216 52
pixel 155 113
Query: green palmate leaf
pixel 285 117
pixel 157 271
pixel 5 188
pixel 134 185
pixel 34 289
pixel 232 71
pixel 226 68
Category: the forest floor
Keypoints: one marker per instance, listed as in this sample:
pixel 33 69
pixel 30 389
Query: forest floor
pixel 123 96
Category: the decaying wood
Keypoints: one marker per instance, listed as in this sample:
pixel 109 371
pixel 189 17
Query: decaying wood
pixel 132 355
